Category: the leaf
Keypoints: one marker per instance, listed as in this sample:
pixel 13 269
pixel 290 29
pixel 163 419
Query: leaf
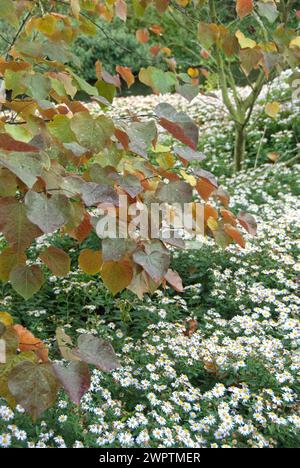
pixel 28 342
pixel 60 128
pixel 116 275
pixel 8 261
pixel 245 42
pixel 155 263
pixel 65 345
pixel 93 194
pixel 174 192
pixel 92 133
pixel 235 235
pixel 160 81
pixel 90 261
pixel 142 35
pixel 208 34
pixel 49 214
pixel 206 184
pixel 121 9
pixel 26 280
pixel 27 166
pixel 98 352
pixel 8 12
pixel 75 7
pixel 15 226
pixel 295 42
pixel 11 361
pixel 126 74
pixel 57 260
pixel 75 379
pixel 188 154
pixel 248 222
pixel 250 59
pixel 244 8
pixel 11 339
pixel 6 319
pixel 130 184
pixel 174 280
pixel 268 10
pixel 8 183
pixel 178 124
pixel 34 386
pixel 117 249
pixel 272 109
pixel 8 143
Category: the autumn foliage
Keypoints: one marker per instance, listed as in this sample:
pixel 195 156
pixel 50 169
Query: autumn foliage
pixel 59 161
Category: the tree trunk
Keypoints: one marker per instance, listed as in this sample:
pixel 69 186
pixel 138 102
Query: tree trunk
pixel 239 148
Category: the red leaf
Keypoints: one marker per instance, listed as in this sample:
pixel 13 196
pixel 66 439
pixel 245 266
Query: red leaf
pixel 178 124
pixel 10 144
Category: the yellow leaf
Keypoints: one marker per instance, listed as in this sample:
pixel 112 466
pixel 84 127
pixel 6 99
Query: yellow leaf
pixel 90 261
pixel 244 41
pixel 6 319
pixel 272 109
pixel 189 178
pixel 295 42
pixel 117 275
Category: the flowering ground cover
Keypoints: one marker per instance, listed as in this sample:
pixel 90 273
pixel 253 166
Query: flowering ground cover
pixel 215 366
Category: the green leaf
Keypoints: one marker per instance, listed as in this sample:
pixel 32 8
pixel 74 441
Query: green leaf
pixel 92 133
pixel 57 260
pixel 155 260
pixel 268 10
pixel 8 12
pixel 160 81
pixel 75 379
pixel 27 166
pixel 26 280
pixel 34 386
pixel 37 85
pixel 98 352
pixel 60 128
pixel 49 214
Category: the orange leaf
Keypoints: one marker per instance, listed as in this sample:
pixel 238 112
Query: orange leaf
pixel 244 8
pixel 235 235
pixel 28 342
pixel 142 35
pixel 228 217
pixel 156 29
pixel 126 74
pixel 205 188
